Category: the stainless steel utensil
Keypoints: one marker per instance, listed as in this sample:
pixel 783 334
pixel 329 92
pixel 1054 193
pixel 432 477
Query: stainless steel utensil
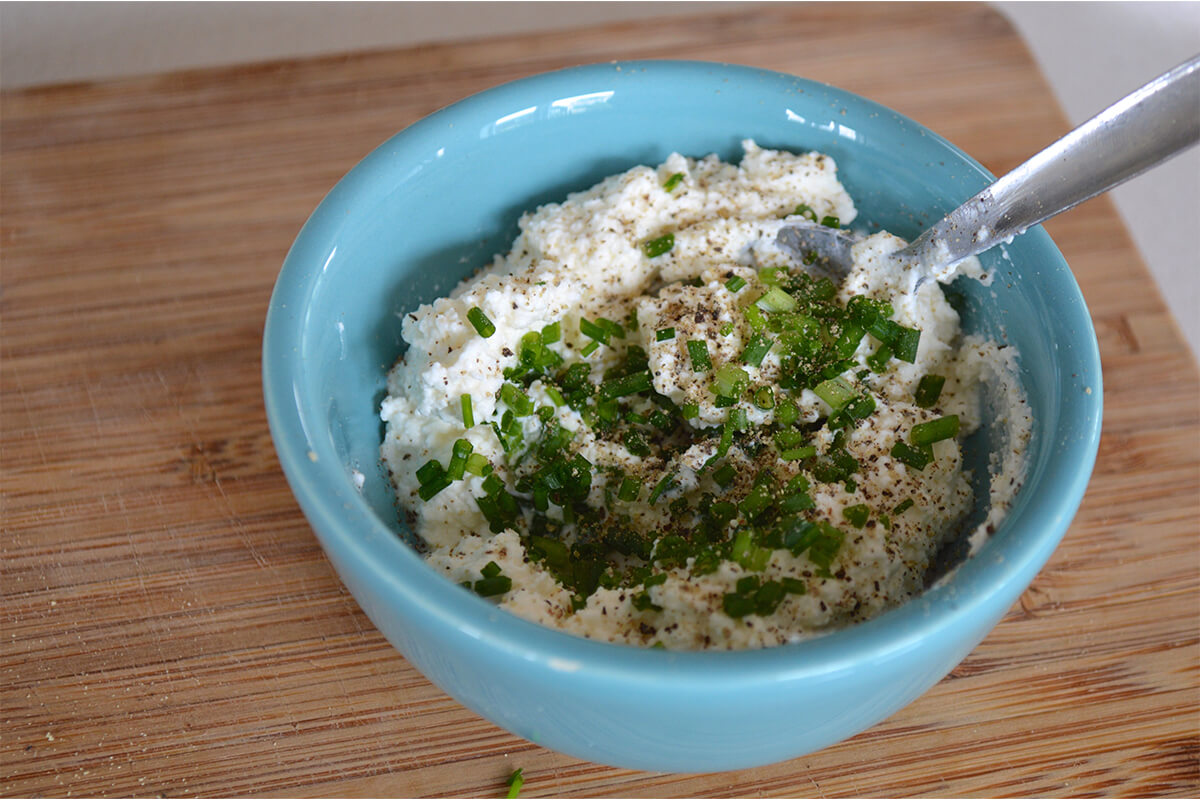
pixel 1138 132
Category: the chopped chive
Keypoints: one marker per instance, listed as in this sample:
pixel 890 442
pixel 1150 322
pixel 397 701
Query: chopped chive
pixel 477 464
pixel 592 347
pixel 798 453
pixel 492 485
pixel 662 486
pixel 630 489
pixel 608 409
pixel 516 399
pixel 837 392
pixel 728 380
pixel 857 515
pixel 757 349
pixel 698 351
pixel 554 394
pixel 642 602
pixel 670 183
pixel 794 586
pixel 458 459
pixel 430 471
pixel 788 438
pixel 929 390
pixel 689 410
pixel 764 397
pixel 831 221
pixel 904 344
pixel 664 334
pixel 726 329
pixel 797 501
pixel 735 284
pixel 628 384
pixel 653 248
pixel 724 475
pixel 490 587
pixel 935 430
pixel 916 457
pixel 755 317
pixel 595 331
pixel 902 506
pixel 806 212
pixel 479 320
pixel 468 416
pixel 787 412
pixel 737 605
pixel 825 547
pixel 552 333
pixel 722 447
pixel 429 490
pixel 878 360
pixel 514 783
pixel 777 299
pixel 772 276
pixel 614 328
pixel 857 409
pixel 636 444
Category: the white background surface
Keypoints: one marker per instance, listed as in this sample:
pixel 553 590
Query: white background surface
pixel 1091 53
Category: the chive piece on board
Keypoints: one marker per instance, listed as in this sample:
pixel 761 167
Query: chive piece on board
pixel 929 390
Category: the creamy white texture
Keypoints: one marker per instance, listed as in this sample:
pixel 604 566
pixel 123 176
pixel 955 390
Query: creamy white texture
pixel 583 258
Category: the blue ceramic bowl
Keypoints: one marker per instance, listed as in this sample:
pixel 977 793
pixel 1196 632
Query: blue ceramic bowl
pixel 434 202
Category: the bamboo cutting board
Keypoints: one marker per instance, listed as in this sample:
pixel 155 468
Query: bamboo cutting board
pixel 169 624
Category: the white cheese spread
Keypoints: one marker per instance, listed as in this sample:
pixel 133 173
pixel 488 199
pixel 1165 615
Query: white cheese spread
pixel 681 437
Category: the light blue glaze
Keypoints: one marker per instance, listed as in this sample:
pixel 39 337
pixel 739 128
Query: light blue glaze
pixel 437 200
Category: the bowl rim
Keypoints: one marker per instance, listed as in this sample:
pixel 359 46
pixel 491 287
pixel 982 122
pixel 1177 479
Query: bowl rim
pixel 354 535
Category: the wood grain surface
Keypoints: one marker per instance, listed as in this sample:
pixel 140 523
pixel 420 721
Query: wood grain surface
pixel 169 624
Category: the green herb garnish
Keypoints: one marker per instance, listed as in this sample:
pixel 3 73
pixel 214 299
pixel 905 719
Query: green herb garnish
pixel 698 352
pixel 927 433
pixel 929 389
pixel 479 320
pixel 653 248
pixel 514 783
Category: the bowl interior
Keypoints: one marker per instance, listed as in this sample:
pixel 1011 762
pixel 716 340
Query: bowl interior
pixel 435 203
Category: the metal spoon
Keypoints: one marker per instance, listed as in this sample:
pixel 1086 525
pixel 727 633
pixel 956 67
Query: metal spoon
pixel 1138 132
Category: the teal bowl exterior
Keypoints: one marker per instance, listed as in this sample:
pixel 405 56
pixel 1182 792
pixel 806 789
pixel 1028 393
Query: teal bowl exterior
pixel 436 201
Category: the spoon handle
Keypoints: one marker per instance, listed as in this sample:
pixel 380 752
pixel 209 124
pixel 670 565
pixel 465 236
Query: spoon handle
pixel 1140 131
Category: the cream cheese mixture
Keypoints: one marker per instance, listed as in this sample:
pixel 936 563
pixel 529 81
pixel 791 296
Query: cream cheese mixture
pixel 648 424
